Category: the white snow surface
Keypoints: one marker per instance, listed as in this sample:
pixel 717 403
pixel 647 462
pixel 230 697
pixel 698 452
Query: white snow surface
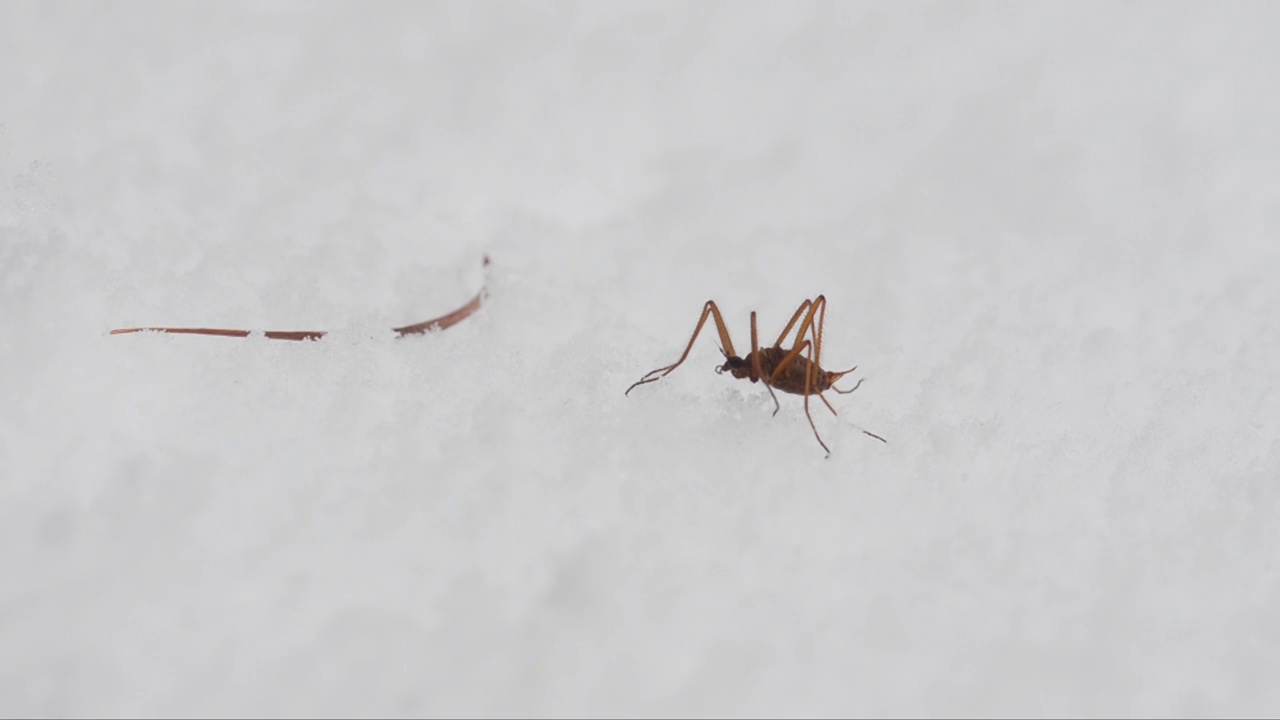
pixel 1048 237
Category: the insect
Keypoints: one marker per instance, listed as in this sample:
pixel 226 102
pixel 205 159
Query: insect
pixel 786 369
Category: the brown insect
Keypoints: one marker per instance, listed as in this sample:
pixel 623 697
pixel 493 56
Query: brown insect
pixel 777 367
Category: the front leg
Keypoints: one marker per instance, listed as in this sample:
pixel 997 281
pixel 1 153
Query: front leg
pixel 756 373
pixel 726 345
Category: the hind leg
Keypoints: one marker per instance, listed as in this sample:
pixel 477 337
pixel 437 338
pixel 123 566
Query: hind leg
pixel 808 379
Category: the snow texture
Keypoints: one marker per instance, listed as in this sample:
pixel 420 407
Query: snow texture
pixel 1047 233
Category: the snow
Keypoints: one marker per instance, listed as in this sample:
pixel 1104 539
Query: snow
pixel 1044 231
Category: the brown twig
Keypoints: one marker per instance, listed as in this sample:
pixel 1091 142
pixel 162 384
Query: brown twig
pixel 440 323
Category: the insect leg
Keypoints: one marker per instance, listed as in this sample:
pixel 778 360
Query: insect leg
pixel 824 399
pixel 822 321
pixel 800 310
pixel 820 307
pixel 807 376
pixel 727 345
pixel 817 340
pixel 808 384
pixel 755 365
pixel 807 322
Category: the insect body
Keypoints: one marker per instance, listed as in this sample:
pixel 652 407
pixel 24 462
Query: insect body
pixel 786 369
pixel 793 375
